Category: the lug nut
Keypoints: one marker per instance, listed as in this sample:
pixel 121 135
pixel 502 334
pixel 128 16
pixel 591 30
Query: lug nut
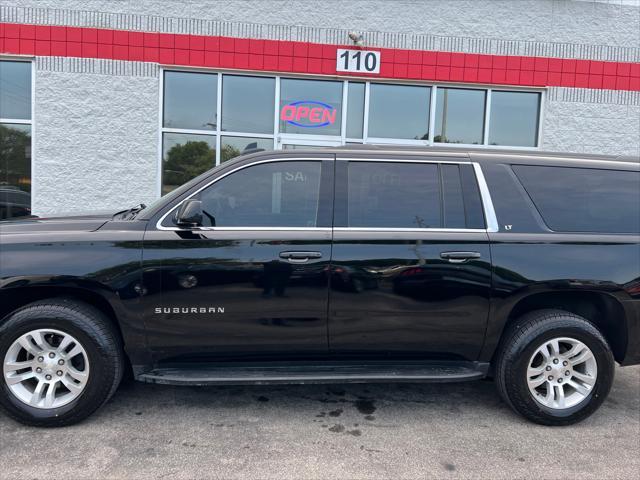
pixel 555 360
pixel 567 373
pixel 550 377
pixel 38 370
pixel 548 369
pixel 60 362
pixel 41 359
pixel 565 363
pixel 59 372
pixel 48 377
pixel 559 380
pixel 51 355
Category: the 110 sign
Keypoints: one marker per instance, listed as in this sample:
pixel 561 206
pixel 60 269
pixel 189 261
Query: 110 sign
pixel 358 61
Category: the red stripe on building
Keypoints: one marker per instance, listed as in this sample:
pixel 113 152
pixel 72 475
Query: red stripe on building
pixel 313 58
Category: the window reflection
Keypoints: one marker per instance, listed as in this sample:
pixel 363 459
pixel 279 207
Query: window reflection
pixel 459 116
pixel 232 147
pixel 402 195
pixel 15 90
pixel 190 100
pixel 247 104
pixel 514 118
pixel 15 170
pixel 184 157
pixel 399 111
pixel 279 194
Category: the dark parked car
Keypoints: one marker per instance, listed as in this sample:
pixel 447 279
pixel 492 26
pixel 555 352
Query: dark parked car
pixel 14 202
pixel 345 265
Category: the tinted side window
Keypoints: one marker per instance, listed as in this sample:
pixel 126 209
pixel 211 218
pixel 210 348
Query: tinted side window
pixel 584 200
pixel 279 194
pixel 394 195
pixel 453 199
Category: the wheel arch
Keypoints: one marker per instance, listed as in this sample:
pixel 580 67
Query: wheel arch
pixel 601 309
pixel 15 298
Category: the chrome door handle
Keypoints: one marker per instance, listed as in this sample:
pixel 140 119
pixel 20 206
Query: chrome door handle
pixel 299 257
pixel 459 257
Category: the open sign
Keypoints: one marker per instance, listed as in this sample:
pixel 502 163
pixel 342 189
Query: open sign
pixel 308 114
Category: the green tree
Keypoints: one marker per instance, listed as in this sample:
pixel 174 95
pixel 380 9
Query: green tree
pixel 187 160
pixel 227 152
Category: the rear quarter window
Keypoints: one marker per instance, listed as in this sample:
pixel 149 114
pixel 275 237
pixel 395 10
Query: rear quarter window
pixel 584 199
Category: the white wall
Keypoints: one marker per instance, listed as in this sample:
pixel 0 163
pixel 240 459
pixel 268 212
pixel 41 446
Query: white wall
pixel 96 140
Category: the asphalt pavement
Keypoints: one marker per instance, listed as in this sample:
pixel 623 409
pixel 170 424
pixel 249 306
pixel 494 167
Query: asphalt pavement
pixel 394 431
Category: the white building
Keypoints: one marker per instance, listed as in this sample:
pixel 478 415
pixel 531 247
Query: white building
pixel 95 94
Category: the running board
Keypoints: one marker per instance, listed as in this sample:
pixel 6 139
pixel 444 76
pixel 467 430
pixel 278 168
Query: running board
pixel 301 374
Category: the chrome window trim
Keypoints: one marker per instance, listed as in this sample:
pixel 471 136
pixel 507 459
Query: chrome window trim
pixel 391 230
pixel 404 160
pixel 250 229
pixel 159 225
pixel 489 211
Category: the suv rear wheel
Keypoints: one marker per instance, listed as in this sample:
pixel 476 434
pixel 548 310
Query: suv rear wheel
pixel 61 361
pixel 554 367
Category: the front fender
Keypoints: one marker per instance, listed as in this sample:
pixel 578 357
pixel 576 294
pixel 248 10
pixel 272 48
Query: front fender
pixel 102 267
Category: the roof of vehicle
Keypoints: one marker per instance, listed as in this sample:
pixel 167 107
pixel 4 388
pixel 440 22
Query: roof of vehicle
pixel 475 152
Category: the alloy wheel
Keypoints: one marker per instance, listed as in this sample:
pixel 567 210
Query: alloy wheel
pixel 562 373
pixel 46 368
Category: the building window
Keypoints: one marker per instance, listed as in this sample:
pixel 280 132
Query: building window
pixel 193 140
pixel 209 117
pixel 247 104
pixel 310 107
pixel 190 100
pixel 15 139
pixel 514 118
pixel 355 110
pixel 185 156
pixel 399 111
pixel 233 146
pixel 459 116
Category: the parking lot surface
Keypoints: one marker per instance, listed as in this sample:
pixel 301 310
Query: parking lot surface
pixel 327 431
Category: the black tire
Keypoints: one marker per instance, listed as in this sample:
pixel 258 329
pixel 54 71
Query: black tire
pixel 519 343
pixel 100 340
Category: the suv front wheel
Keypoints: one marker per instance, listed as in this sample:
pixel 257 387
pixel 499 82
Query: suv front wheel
pixel 554 367
pixel 61 360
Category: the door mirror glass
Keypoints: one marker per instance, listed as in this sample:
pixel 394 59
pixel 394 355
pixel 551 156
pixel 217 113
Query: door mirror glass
pixel 189 214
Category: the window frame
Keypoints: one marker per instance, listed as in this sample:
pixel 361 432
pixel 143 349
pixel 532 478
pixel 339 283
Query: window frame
pixel 339 186
pixel 540 111
pixel 326 175
pixel 30 121
pixel 484 128
pixel 277 137
pixel 342 196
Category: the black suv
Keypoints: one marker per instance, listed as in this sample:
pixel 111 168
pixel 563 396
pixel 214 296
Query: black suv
pixel 345 265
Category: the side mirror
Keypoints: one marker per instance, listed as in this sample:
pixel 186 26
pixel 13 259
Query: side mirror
pixel 189 214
